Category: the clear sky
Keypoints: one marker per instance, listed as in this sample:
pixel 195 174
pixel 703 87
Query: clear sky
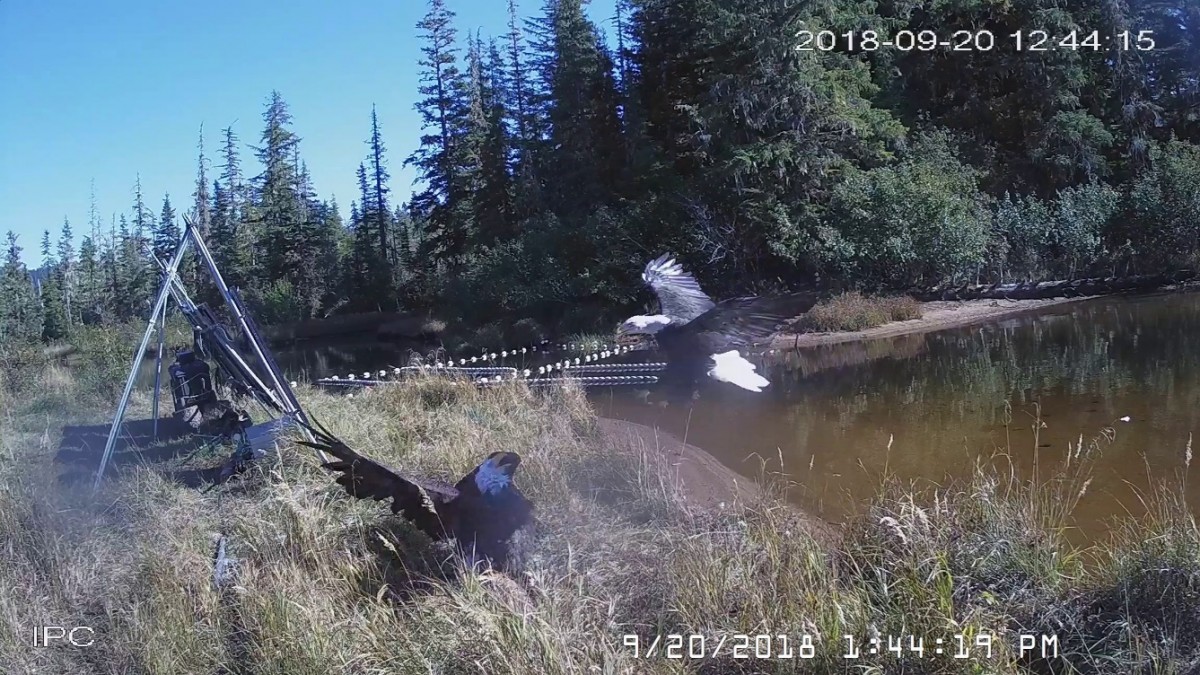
pixel 110 90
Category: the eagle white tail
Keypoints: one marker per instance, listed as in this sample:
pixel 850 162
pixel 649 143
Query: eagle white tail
pixel 731 367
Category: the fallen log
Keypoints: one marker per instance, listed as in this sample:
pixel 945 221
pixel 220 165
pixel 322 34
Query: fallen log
pixel 1044 290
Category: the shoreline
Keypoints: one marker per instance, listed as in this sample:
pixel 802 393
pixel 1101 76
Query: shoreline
pixel 935 315
pixel 703 481
pixel 706 482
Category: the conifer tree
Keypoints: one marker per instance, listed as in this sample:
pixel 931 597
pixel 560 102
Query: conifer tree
pixel 92 272
pixel 143 219
pixel 90 288
pixel 201 213
pixel 494 207
pixel 166 232
pixel 20 312
pixel 67 271
pixel 138 276
pixel 581 108
pixel 277 204
pixel 437 158
pixel 329 256
pixel 111 254
pixel 232 238
pixel 127 291
pixel 54 319
pixel 378 207
pixel 313 247
pixel 518 79
pixel 48 261
pixel 402 243
pixel 471 139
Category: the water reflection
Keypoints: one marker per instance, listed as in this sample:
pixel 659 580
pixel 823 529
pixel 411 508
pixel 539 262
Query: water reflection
pixel 944 398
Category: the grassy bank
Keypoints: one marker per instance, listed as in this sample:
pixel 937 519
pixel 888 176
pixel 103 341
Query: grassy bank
pixel 853 311
pixel 329 585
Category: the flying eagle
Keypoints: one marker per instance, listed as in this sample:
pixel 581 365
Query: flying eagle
pixel 701 338
pixel 481 512
pixel 680 298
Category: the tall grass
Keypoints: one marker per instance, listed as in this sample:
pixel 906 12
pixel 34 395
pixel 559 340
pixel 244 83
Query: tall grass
pixel 326 584
pixel 854 311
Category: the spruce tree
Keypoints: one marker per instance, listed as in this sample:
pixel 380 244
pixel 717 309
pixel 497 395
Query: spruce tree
pixel 90 290
pixel 379 188
pixel 472 137
pixel 581 108
pixel 201 213
pixel 495 205
pixel 329 257
pixel 277 204
pixel 54 318
pixel 139 277
pixel 363 253
pixel 310 281
pixel 232 237
pixel 166 232
pixel 437 159
pixel 518 89
pixel 67 271
pixel 112 252
pixel 20 312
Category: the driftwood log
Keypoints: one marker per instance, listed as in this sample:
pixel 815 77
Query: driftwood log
pixel 1040 290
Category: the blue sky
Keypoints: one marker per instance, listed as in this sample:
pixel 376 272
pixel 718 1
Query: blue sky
pixel 110 90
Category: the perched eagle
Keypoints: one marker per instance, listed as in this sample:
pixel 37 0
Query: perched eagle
pixel 699 337
pixel 481 512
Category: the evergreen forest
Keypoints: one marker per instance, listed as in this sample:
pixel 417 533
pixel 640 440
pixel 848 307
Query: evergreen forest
pixel 554 163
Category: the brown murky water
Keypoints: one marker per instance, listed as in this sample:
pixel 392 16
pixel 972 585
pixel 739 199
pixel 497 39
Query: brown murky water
pixel 943 400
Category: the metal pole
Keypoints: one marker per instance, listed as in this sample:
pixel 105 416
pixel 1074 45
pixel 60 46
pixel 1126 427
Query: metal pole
pixel 159 306
pixel 237 310
pixel 162 336
pixel 179 293
pixel 280 386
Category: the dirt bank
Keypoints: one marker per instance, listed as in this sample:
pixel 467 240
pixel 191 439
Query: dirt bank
pixel 704 480
pixel 937 315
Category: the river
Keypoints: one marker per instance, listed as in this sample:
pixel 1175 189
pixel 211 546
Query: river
pixel 924 407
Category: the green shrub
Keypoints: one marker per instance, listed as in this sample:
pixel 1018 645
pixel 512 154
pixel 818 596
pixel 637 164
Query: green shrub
pixel 920 222
pixel 1165 206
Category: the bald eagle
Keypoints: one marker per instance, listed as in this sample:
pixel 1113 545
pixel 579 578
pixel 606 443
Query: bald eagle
pixel 481 512
pixel 680 298
pixel 700 337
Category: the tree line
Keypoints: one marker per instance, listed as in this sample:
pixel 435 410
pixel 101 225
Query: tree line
pixel 554 164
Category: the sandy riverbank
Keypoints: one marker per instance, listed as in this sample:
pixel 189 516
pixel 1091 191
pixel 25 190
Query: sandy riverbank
pixel 938 315
pixel 704 481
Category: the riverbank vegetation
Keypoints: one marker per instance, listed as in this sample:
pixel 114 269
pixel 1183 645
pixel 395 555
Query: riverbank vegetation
pixel 326 584
pixel 854 311
pixel 559 160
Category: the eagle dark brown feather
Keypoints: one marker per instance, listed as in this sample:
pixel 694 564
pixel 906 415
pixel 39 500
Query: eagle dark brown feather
pixel 363 478
pixel 481 512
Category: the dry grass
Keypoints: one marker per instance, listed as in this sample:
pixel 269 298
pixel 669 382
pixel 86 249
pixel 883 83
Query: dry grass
pixel 855 311
pixel 325 584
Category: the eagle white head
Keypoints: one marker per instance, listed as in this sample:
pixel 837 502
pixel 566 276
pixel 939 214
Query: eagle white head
pixel 496 472
pixel 643 324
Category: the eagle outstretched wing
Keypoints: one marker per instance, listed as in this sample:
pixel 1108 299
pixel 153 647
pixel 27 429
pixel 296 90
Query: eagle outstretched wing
pixel 679 294
pixel 363 478
pixel 741 322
